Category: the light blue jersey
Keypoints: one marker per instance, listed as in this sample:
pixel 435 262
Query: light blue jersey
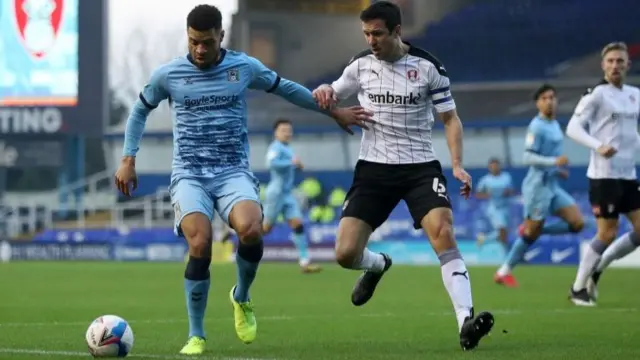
pixel 210 168
pixel 497 187
pixel 541 191
pixel 279 198
pixel 281 168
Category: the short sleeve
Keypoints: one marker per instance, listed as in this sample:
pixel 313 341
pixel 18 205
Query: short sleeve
pixel 262 77
pixel 155 90
pixel 347 84
pixel 439 88
pixel 533 139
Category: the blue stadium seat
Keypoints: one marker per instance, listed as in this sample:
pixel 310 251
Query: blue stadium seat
pixel 507 40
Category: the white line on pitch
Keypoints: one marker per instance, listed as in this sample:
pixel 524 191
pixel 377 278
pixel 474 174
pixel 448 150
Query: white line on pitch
pixel 37 352
pixel 302 317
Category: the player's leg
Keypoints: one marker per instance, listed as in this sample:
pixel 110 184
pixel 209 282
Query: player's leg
pixel 564 206
pixel 272 208
pixel 237 202
pixel 293 215
pixel 604 195
pixel 625 244
pixel 193 214
pixel 431 210
pixel 368 204
pixel 499 221
pixel 536 208
pixel 222 232
pixel 622 246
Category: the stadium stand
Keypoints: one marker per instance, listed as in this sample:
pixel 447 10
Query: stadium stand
pixel 506 40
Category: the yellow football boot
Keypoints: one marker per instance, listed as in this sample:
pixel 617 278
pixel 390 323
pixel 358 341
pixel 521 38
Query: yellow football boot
pixel 245 319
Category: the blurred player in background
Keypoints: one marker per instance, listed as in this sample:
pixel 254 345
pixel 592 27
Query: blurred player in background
pixel 224 236
pixel 402 84
pixel 279 199
pixel 610 110
pixel 210 170
pixel 541 191
pixel 497 187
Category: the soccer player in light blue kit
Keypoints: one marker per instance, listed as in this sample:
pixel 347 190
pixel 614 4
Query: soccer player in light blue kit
pixel 497 187
pixel 210 169
pixel 541 190
pixel 279 198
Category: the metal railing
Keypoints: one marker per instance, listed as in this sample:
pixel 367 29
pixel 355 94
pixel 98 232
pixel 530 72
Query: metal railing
pixel 149 211
pixel 27 213
pixel 24 220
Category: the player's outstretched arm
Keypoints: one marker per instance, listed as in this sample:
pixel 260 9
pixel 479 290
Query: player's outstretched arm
pixel 328 96
pixel 267 80
pixel 150 97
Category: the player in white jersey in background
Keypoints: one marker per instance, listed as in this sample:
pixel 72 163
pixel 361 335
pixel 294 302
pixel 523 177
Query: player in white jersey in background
pixel 401 84
pixel 610 110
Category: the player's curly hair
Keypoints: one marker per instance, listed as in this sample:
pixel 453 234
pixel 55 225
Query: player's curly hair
pixel 204 17
pixel 384 10
pixel 543 89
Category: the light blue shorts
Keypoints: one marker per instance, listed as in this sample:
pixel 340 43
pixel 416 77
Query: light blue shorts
pixel 540 202
pixel 285 204
pixel 204 195
pixel 498 217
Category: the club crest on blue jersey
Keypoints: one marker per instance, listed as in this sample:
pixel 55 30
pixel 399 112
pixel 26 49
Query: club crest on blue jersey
pixel 233 75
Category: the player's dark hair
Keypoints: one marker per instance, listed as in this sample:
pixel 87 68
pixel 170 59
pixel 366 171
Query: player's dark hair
pixel 543 89
pixel 494 160
pixel 384 10
pixel 204 17
pixel 279 122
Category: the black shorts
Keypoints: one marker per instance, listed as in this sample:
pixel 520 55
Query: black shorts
pixel 378 188
pixel 611 197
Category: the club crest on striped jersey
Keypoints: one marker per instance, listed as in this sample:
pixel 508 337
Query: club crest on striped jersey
pixel 412 75
pixel 38 23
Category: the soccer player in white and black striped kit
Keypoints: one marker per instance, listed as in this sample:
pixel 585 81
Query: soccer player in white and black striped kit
pixel 610 110
pixel 401 84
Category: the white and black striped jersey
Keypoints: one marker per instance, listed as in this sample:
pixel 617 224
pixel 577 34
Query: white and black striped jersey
pixel 611 115
pixel 402 96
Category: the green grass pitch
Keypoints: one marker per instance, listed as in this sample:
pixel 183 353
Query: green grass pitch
pixel 45 309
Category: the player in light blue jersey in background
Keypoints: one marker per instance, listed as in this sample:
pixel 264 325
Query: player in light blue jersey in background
pixel 497 187
pixel 279 200
pixel 541 191
pixel 210 169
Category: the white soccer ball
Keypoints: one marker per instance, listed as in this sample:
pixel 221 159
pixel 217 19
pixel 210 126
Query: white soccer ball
pixel 109 336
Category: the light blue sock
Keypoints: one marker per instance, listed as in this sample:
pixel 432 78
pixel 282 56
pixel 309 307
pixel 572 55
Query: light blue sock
pixel 300 240
pixel 247 261
pixel 556 227
pixel 197 293
pixel 517 252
